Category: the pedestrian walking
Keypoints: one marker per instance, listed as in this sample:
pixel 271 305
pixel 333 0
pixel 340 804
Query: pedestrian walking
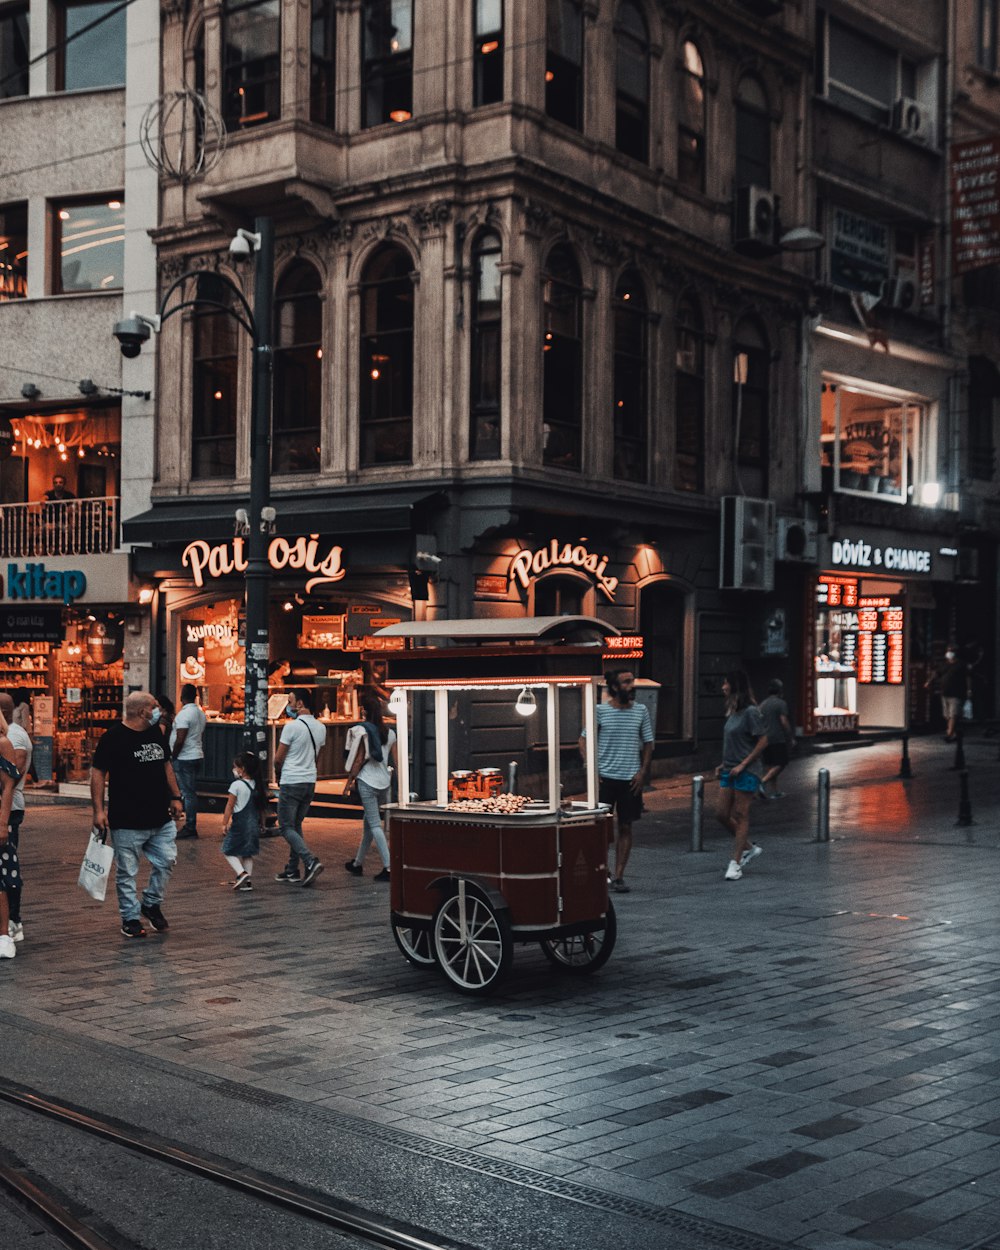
pixel 243 819
pixel 624 751
pixel 371 747
pixel 22 716
pixel 954 686
pixel 132 766
pixel 187 753
pixel 299 745
pixel 780 739
pixel 10 866
pixel 21 742
pixel 743 743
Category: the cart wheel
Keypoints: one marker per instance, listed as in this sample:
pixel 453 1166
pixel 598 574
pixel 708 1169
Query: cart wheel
pixel 476 957
pixel 416 945
pixel 584 952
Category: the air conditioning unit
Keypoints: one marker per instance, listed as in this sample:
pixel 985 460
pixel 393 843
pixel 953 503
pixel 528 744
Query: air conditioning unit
pixel 746 544
pixel 755 219
pixel 796 540
pixel 913 120
pixel 900 291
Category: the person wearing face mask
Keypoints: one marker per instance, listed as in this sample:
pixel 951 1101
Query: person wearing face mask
pixel 135 799
pixel 301 741
pixel 955 686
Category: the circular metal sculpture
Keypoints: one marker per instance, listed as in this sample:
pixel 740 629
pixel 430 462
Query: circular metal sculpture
pixel 182 135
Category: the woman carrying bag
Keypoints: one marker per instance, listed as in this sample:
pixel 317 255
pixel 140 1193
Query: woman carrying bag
pixel 370 747
pixel 10 867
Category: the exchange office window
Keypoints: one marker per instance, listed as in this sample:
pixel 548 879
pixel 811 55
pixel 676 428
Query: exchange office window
pixel 689 398
pixel 870 442
pixel 632 97
pixel 298 372
pixel 13 251
pixel 691 124
pixel 251 92
pixel 386 409
pixel 322 63
pixel 89 244
pixel 562 383
pixel 14 53
pixel 488 54
pixel 387 72
pixel 213 418
pixel 753 135
pixel 564 62
pixel 91 42
pixel 484 429
pixel 751 382
pixel 631 380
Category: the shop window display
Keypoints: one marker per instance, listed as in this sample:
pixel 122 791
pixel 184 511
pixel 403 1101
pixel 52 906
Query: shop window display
pixel 868 442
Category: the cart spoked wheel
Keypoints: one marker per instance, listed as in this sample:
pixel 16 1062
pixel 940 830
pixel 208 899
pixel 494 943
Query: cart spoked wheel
pixel 583 952
pixel 472 941
pixel 416 945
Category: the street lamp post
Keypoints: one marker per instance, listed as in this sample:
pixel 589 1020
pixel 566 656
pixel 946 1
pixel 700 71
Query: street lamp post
pixel 258 524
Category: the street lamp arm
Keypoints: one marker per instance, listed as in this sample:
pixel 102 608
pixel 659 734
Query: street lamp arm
pixel 247 321
pixel 211 303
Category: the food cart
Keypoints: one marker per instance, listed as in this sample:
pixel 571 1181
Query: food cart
pixel 476 867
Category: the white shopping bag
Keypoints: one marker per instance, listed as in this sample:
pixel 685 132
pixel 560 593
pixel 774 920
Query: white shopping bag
pixel 96 866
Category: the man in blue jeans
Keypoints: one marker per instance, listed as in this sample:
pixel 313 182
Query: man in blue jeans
pixel 302 738
pixel 187 752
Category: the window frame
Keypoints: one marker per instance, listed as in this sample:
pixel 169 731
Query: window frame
pixel 747 116
pixel 758 357
pixel 487 243
pixel 385 71
pixel 323 64
pixel 16 285
pixel 572 429
pixel 698 384
pixel 685 77
pixel 378 339
pixel 307 355
pixel 56 207
pixel 627 364
pixel 485 57
pixel 10 13
pixel 234 83
pixel 914 424
pixel 629 107
pixel 206 367
pixel 988 35
pixel 62 8
pixel 559 67
pixel 859 102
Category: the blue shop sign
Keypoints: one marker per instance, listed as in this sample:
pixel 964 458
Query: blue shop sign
pixel 37 582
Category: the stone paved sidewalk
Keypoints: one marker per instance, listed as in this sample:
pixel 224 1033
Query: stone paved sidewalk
pixel 808 1055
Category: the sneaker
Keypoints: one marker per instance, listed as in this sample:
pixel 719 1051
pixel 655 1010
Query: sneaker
pixel 7 948
pixel 186 833
pixel 243 882
pixel 155 917
pixel 15 930
pixel 382 876
pixel 778 794
pixel 287 874
pixel 619 886
pixel 133 929
pixel 312 872
pixel 354 869
pixel 750 854
pixel 734 872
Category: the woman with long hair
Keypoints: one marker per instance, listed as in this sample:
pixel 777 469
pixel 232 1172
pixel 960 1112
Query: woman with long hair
pixel 370 748
pixel 743 743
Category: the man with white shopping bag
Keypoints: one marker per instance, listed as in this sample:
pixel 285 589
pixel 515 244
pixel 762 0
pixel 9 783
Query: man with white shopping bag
pixel 132 762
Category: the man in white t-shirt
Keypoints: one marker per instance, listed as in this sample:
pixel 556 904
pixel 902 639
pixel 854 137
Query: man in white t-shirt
pixel 302 738
pixel 21 743
pixel 187 753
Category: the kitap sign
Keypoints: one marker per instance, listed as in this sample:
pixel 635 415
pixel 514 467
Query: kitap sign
pixel 303 553
pixel 528 564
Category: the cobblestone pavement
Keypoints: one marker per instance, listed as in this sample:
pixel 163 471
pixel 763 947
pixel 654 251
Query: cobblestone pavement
pixel 806 1057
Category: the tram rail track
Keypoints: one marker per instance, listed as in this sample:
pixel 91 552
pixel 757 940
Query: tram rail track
pixel 344 1217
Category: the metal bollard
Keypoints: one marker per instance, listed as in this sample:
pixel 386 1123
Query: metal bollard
pixel 905 771
pixel 697 812
pixel 512 777
pixel 964 804
pixel 959 763
pixel 823 807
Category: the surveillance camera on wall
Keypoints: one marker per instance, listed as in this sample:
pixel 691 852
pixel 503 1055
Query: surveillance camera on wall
pixel 239 248
pixel 131 334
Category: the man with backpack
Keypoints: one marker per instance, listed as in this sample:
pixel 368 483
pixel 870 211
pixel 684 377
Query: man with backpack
pixel 301 741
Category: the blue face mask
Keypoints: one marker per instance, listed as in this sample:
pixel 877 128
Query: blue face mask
pixel 291 712
pixel 154 716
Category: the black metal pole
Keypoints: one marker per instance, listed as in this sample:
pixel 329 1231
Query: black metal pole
pixel 258 573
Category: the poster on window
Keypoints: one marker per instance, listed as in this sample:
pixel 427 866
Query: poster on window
pixel 859 252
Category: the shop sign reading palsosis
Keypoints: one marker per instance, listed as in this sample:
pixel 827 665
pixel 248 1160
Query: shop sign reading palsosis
pixel 303 553
pixel 528 564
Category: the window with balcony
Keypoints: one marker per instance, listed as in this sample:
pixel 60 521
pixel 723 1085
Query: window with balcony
pixel 632 83
pixel 214 399
pixel 14 54
pixel 753 135
pixel 691 119
pixel 864 75
pixel 751 386
pixel 870 442
pixel 987 32
pixel 488 52
pixel 631 379
pixel 89 245
pixel 564 62
pixel 322 63
pixel 484 427
pixel 562 364
pixel 13 251
pixel 90 37
pixel 689 398
pixel 387 71
pixel 251 55
pixel 298 372
pixel 386 407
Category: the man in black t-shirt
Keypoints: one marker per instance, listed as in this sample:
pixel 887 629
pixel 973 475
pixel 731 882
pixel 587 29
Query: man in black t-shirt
pixel 142 810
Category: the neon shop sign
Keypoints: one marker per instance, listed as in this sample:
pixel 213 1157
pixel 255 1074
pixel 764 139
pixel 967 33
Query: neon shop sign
pixel 303 552
pixel 527 564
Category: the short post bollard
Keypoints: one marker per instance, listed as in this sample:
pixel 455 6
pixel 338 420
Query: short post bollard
pixel 697 812
pixel 964 804
pixel 823 806
pixel 905 771
pixel 959 763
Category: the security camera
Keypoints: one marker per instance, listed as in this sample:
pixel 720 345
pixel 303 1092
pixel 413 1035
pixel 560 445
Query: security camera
pixel 243 244
pixel 131 334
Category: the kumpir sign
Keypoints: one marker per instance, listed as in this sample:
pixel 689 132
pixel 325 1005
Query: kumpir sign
pixel 528 564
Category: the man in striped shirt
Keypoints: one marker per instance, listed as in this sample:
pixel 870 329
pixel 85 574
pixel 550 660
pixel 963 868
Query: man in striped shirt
pixel 624 751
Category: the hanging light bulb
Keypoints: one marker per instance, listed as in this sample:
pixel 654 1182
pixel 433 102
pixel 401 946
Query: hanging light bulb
pixel 397 701
pixel 526 704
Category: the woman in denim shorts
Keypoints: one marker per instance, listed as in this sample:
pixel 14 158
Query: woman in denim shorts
pixel 743 743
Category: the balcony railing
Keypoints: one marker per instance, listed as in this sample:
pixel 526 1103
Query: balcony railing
pixel 64 527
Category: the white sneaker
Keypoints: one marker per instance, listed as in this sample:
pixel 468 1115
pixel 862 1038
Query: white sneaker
pixel 7 948
pixel 734 871
pixel 16 930
pixel 750 854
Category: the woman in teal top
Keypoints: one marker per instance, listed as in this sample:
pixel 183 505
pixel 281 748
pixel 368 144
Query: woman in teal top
pixel 743 743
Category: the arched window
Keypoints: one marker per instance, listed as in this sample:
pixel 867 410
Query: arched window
pixel 560 596
pixel 251 88
pixel 753 135
pixel 691 119
pixel 751 382
pixel 564 62
pixel 689 398
pixel 387 69
pixel 631 388
pixel 214 399
pixel 632 93
pixel 487 35
pixel 562 360
pixel 322 63
pixel 484 426
pixel 386 409
pixel 298 372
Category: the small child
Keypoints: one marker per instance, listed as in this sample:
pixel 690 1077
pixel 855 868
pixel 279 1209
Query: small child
pixel 243 819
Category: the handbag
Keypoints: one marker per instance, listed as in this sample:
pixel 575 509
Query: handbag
pixel 96 866
pixel 967 710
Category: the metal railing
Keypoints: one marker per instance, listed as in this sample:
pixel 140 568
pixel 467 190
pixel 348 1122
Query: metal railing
pixel 63 527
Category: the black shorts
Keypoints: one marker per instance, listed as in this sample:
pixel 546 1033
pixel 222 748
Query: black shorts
pixel 776 754
pixel 619 797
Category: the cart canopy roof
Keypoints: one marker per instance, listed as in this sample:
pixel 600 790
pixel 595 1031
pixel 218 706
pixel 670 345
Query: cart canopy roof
pixel 547 630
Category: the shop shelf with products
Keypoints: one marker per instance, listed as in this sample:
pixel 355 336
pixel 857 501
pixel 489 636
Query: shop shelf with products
pixel 25 665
